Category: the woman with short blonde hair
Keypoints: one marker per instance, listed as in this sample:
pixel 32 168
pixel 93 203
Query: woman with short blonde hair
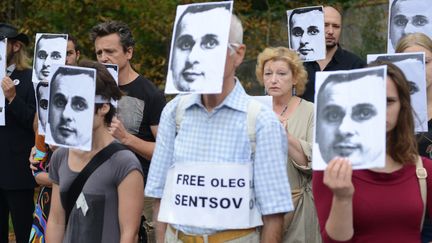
pixel 281 72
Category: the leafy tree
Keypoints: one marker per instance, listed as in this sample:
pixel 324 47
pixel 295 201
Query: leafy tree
pixel 151 21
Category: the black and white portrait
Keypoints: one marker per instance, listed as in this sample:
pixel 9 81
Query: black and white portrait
pixel 306 32
pixel 408 16
pixel 413 67
pixel 71 107
pixel 199 47
pixel 3 45
pixel 49 49
pixel 113 70
pixel 350 117
pixel 41 92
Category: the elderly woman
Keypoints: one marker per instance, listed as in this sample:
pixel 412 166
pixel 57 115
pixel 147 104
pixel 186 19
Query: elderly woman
pixel 284 77
pixel 419 42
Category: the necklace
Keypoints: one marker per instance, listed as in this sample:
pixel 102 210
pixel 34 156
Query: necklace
pixel 284 110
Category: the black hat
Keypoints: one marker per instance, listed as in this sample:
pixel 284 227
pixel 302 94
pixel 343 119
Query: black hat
pixel 11 32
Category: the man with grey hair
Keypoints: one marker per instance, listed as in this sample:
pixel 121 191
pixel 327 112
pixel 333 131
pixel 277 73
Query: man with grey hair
pixel 201 139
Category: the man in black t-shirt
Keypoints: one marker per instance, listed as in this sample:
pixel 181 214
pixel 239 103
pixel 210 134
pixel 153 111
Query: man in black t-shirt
pixel 336 57
pixel 139 110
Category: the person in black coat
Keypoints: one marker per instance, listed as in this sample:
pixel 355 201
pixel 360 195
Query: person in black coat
pixel 16 139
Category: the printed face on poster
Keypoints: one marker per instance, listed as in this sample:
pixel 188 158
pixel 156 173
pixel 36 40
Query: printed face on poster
pixel 413 66
pixel 306 32
pixel 3 49
pixel 199 48
pixel 71 107
pixel 42 97
pixel 408 16
pixel 50 49
pixel 113 70
pixel 348 105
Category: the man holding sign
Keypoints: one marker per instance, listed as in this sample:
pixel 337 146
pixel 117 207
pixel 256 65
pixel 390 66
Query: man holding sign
pixel 218 170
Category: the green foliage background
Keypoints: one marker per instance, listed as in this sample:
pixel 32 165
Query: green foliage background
pixel 152 21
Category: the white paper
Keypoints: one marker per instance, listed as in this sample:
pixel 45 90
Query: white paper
pixel 350 117
pixel 306 33
pixel 199 48
pixel 408 17
pixel 71 108
pixel 210 195
pixel 49 49
pixel 413 66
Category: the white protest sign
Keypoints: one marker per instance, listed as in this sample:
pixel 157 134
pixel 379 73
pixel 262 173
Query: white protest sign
pixel 210 195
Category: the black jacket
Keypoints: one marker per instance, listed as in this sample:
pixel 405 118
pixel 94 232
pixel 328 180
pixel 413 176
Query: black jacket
pixel 17 136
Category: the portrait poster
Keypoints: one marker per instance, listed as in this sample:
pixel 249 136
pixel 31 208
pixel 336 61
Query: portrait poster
pixel 350 117
pixel 405 17
pixel 71 107
pixel 199 48
pixel 306 33
pixel 3 48
pixel 413 66
pixel 41 93
pixel 113 70
pixel 49 49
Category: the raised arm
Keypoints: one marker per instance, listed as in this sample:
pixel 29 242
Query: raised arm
pixel 337 177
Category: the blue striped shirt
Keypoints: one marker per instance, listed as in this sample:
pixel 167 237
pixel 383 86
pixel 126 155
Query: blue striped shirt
pixel 221 136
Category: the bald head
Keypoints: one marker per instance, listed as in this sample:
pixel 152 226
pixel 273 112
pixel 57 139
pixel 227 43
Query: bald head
pixel 333 26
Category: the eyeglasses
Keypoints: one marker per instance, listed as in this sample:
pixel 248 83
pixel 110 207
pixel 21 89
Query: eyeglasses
pixel 233 47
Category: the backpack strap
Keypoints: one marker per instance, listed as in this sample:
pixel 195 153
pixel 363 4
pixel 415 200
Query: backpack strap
pixel 422 175
pixel 253 109
pixel 77 185
pixel 180 110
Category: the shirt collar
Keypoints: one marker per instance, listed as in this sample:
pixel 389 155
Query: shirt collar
pixel 236 99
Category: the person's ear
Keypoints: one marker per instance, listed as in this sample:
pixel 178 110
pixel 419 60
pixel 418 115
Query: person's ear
pixel 78 53
pixel 240 54
pixel 129 52
pixel 104 109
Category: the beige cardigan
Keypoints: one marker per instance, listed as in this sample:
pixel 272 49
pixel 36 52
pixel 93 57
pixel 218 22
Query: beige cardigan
pixel 301 225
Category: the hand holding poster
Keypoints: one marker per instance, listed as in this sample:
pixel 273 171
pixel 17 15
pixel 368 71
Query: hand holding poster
pixel 350 117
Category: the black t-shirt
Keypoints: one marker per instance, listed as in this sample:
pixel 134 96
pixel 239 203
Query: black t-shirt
pixel 342 60
pixel 139 109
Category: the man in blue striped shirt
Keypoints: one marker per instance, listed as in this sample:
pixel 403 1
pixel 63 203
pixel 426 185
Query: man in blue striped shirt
pixel 214 132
